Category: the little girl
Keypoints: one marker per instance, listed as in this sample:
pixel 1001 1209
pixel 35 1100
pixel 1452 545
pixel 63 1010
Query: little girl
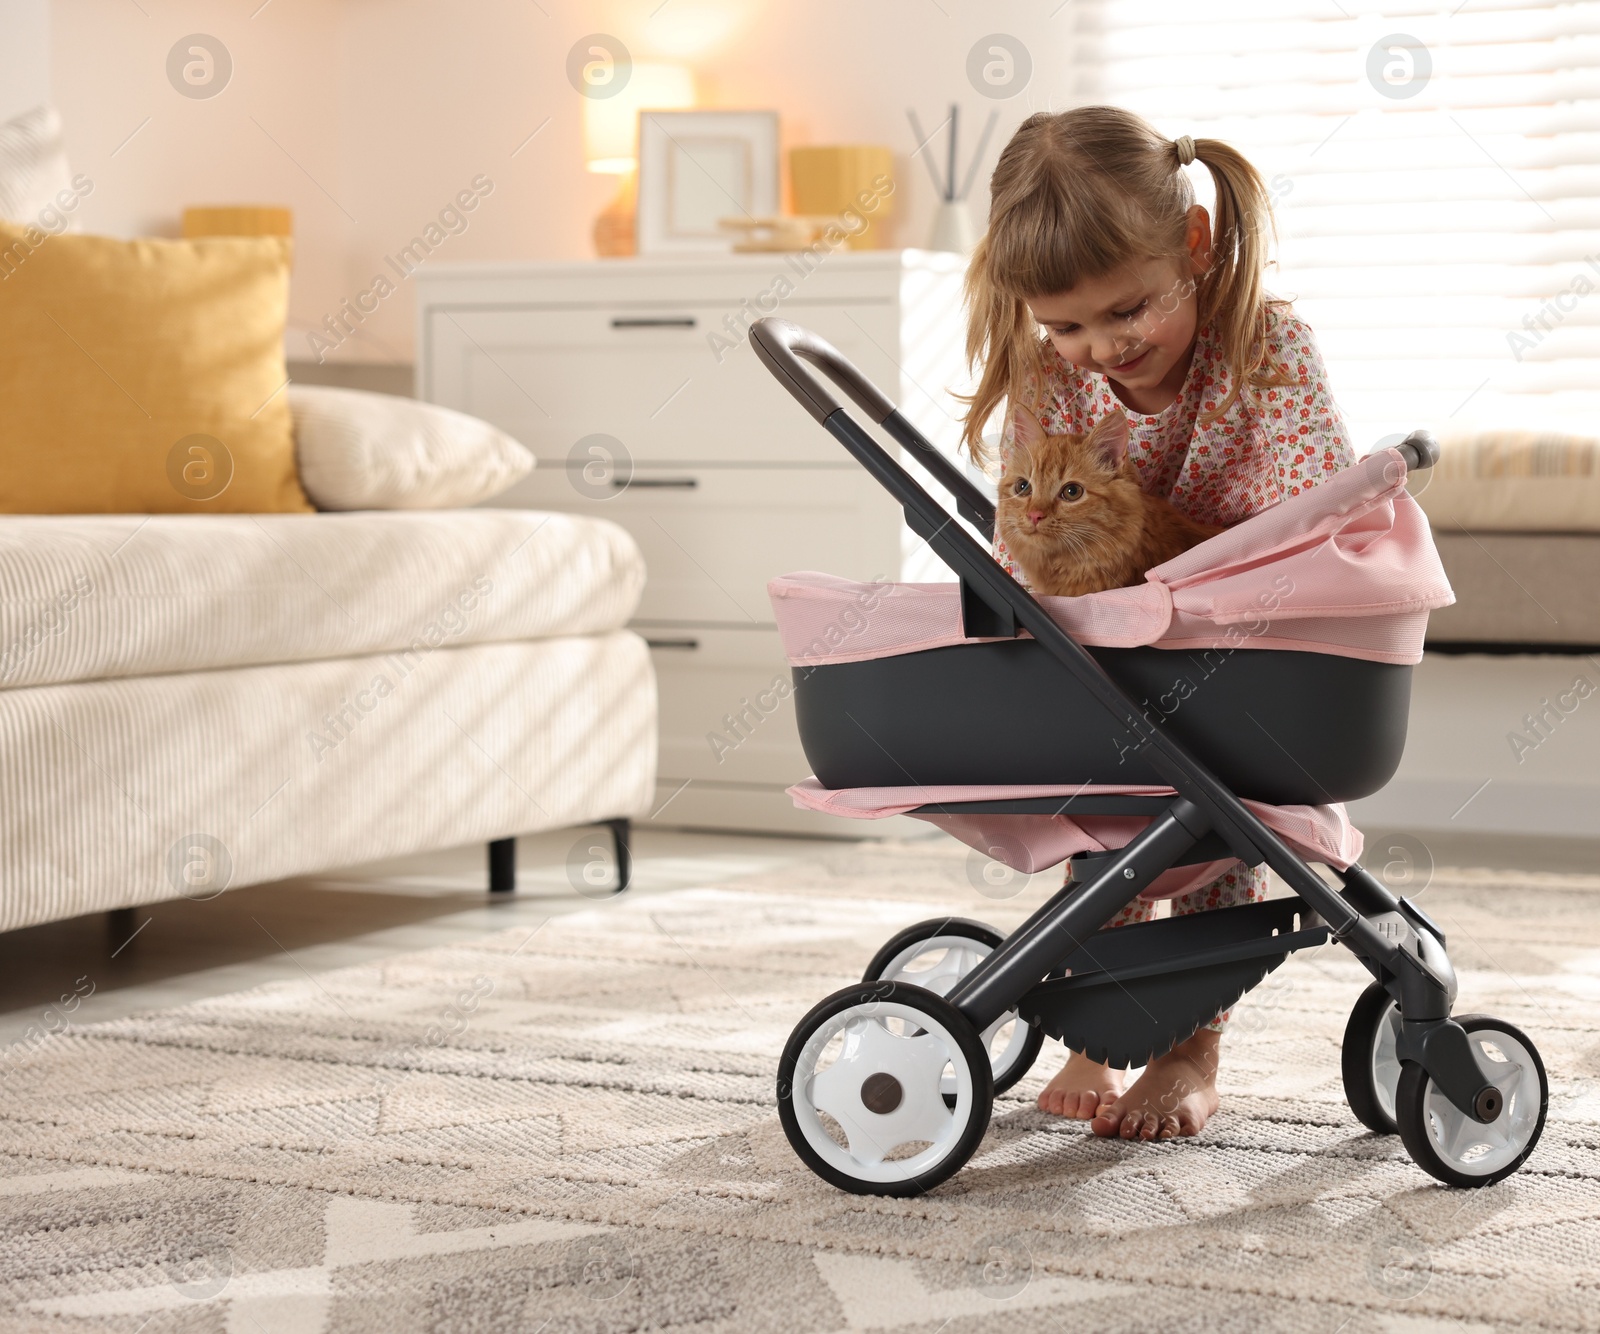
pixel 1149 307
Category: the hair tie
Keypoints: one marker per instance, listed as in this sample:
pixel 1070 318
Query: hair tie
pixel 1185 146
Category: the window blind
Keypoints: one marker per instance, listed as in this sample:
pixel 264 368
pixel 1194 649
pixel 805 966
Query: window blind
pixel 1435 169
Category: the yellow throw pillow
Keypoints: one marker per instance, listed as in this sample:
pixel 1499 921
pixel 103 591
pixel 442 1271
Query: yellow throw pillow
pixel 144 377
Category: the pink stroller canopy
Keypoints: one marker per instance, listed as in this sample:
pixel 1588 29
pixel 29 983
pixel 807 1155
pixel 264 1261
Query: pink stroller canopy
pixel 1347 568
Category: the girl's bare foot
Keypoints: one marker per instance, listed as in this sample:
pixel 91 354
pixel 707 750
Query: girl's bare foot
pixel 1176 1094
pixel 1081 1088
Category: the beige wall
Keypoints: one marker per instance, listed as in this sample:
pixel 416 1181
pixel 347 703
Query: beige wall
pixel 24 55
pixel 366 116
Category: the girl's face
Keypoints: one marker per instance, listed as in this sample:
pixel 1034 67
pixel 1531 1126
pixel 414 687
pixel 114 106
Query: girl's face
pixel 1136 325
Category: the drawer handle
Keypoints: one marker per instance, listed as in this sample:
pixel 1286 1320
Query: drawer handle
pixel 659 483
pixel 652 322
pixel 673 643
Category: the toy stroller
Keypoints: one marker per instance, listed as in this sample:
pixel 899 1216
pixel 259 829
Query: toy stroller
pixel 1187 723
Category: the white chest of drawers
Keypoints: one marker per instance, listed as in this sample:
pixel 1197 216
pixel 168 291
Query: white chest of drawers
pixel 633 383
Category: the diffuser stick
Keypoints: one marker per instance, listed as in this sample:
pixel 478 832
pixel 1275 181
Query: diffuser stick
pixel 950 177
pixel 977 157
pixel 922 142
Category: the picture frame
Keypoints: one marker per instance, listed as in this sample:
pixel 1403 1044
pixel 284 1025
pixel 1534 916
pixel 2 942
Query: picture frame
pixel 698 167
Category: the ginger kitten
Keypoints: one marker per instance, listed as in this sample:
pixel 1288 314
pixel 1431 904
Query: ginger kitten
pixel 1074 516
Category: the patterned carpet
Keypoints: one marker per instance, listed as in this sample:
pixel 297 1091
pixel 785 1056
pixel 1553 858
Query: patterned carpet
pixel 574 1129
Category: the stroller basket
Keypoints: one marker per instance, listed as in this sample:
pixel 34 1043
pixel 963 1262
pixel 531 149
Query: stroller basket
pixel 1216 714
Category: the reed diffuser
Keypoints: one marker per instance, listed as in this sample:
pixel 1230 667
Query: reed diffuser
pixel 952 221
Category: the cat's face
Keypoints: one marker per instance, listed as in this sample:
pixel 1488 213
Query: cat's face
pixel 1066 492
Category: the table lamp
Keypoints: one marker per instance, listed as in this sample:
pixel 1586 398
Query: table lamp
pixel 611 142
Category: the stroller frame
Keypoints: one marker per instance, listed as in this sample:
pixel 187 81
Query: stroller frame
pixel 1050 969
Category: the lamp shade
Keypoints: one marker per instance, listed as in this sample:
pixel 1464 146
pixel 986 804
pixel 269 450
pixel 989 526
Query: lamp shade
pixel 611 124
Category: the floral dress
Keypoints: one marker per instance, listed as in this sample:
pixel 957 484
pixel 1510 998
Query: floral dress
pixel 1269 445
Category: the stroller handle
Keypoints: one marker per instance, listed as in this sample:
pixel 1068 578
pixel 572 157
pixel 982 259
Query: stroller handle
pixel 781 347
pixel 1419 449
pixel 781 344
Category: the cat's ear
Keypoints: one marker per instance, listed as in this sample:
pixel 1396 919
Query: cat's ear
pixel 1027 428
pixel 1110 438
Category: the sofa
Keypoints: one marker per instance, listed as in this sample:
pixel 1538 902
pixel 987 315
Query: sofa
pixel 195 702
pixel 1516 517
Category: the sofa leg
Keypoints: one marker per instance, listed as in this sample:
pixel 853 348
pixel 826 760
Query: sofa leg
pixel 621 836
pixel 122 925
pixel 503 858
pixel 502 866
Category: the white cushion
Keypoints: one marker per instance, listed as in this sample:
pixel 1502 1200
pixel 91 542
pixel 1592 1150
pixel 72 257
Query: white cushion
pixel 363 451
pixel 33 166
pixel 90 596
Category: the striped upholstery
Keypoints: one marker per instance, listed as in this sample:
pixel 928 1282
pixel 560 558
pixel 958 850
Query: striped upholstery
pixel 85 597
pixel 1513 482
pixel 284 694
pixel 115 789
pixel 1518 454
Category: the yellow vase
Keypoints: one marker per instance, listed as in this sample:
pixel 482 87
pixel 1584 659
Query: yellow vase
pixel 846 182
pixel 238 220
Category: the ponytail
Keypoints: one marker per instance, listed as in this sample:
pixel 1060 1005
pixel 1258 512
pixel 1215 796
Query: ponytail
pixel 1232 296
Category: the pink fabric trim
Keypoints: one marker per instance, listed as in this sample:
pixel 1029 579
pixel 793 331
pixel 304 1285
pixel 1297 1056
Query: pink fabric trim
pixel 1031 843
pixel 1347 567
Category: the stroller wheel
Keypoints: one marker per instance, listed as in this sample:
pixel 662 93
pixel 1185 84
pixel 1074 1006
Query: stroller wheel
pixel 1369 1060
pixel 937 954
pixel 1447 1143
pixel 860 1089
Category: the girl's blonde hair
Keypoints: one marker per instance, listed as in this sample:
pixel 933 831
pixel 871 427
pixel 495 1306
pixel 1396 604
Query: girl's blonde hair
pixel 1077 194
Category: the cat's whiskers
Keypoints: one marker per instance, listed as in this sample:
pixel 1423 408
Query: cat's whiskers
pixel 1076 540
